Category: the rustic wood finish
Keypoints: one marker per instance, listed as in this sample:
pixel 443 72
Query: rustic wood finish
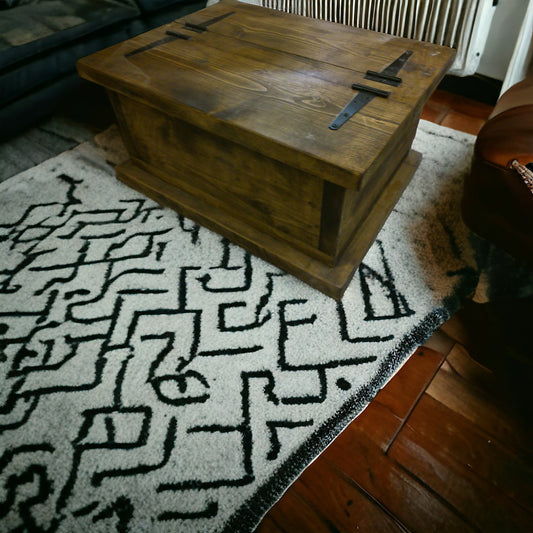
pixel 231 105
pixel 263 191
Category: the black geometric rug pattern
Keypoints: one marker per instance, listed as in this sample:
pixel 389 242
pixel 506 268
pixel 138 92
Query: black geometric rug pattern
pixel 155 377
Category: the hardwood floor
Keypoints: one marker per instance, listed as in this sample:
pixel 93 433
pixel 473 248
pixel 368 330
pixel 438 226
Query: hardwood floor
pixel 441 448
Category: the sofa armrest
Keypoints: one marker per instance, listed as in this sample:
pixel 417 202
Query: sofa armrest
pixel 497 202
pixel 149 6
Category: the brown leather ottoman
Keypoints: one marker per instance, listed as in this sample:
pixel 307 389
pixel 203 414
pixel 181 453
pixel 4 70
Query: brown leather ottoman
pixel 498 201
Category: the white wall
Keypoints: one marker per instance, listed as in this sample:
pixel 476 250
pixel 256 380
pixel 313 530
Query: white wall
pixel 520 62
pixel 503 34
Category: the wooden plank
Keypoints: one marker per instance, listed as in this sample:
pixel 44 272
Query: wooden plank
pixel 268 525
pixel 378 423
pixel 266 194
pixel 385 415
pixel 332 201
pixel 460 361
pixel 292 513
pixel 314 85
pixel 462 122
pixel 479 454
pixel 482 504
pixel 455 328
pixel 403 391
pixel 275 101
pixel 419 509
pixel 341 502
pixel 458 395
pixel 440 342
pixel 281 112
pixel 358 203
pixel 325 41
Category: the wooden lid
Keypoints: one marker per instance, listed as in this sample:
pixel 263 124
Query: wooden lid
pixel 274 82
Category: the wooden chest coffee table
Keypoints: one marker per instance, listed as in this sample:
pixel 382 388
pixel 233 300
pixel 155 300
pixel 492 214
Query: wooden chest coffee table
pixel 234 115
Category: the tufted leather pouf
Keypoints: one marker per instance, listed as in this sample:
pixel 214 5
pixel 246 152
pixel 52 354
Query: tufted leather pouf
pixel 497 202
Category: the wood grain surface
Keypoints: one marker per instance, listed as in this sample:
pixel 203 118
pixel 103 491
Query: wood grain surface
pixel 259 79
pixel 231 106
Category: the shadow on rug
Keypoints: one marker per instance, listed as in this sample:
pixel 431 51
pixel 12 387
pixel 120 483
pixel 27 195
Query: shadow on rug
pixel 157 378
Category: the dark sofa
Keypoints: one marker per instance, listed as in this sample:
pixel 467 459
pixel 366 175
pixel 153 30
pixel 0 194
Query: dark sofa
pixel 41 40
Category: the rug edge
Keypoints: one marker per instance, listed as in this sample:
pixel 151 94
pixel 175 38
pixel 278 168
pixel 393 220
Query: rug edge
pixel 250 514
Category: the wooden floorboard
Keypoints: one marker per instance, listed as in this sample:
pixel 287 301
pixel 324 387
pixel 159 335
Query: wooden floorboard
pixel 440 448
pixel 269 526
pixel 476 499
pixel 384 417
pixel 415 506
pixel 292 513
pixel 465 443
pixel 481 408
pixel 348 507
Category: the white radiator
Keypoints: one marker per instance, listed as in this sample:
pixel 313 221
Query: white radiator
pixel 460 24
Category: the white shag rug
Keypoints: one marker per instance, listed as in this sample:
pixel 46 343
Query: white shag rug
pixel 155 377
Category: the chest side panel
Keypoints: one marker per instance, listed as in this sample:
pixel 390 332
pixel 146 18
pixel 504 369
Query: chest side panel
pixel 266 194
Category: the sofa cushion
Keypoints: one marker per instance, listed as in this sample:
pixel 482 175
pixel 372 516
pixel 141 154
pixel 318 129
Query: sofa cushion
pixel 32 29
pixel 34 107
pixel 153 5
pixel 23 78
pixel 7 4
pixel 176 10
